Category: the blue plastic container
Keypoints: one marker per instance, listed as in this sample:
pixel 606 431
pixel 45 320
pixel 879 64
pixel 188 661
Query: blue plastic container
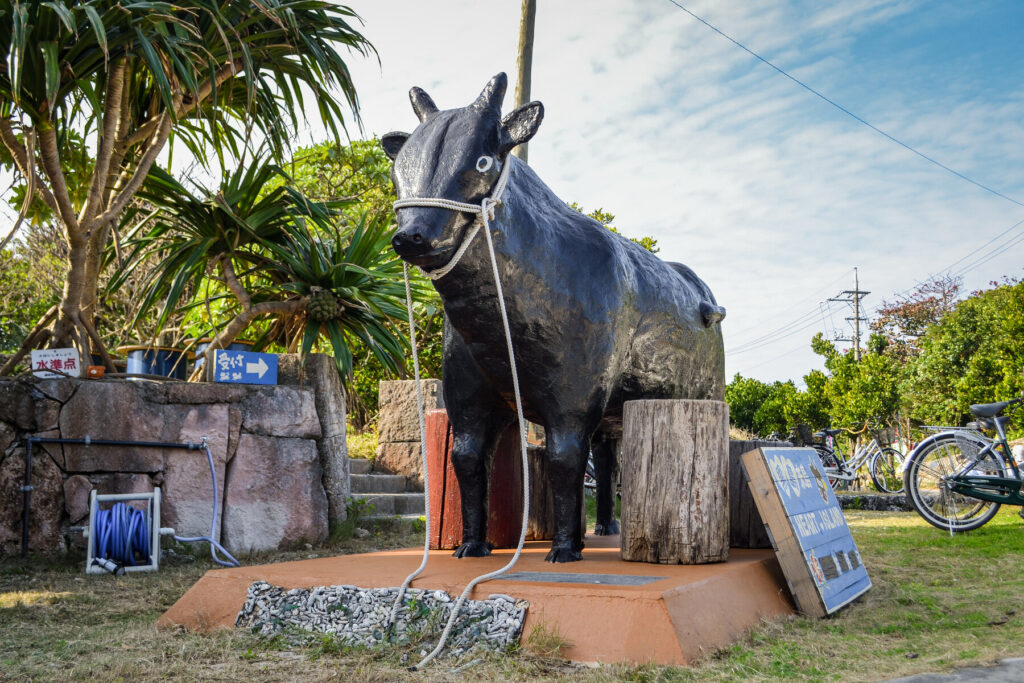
pixel 156 360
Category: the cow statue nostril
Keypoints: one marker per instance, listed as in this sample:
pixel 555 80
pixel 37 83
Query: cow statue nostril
pixel 410 243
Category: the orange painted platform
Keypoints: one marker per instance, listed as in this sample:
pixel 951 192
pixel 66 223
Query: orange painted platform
pixel 666 614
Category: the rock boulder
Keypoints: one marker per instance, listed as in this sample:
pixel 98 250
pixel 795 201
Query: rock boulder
pixel 399 419
pixel 275 496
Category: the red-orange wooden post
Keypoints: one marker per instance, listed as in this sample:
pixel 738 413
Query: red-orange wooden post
pixel 505 502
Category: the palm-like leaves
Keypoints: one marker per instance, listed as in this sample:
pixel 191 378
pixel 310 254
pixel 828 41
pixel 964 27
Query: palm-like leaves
pixel 282 248
pixel 129 76
pixel 200 61
pixel 359 267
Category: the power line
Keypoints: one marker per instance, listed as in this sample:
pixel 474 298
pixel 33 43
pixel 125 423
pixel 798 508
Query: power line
pixel 802 302
pixel 844 109
pixel 984 258
pixel 767 336
pixel 775 358
pixel 968 255
pixel 788 332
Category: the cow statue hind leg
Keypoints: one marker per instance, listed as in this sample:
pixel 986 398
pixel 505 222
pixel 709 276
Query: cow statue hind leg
pixel 605 469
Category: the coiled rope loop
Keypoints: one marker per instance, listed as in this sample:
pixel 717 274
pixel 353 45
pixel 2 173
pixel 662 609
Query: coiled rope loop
pixel 485 214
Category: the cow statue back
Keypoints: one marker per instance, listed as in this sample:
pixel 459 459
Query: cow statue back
pixel 595 319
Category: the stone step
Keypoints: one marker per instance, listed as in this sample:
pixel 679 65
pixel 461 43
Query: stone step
pixel 390 504
pixel 377 483
pixel 360 466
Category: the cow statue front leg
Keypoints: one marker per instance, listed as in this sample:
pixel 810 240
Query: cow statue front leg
pixel 605 468
pixel 472 453
pixel 567 463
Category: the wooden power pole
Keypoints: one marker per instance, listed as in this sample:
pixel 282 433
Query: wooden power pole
pixel 524 62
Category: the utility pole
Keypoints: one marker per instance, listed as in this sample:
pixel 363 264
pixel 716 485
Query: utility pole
pixel 524 62
pixel 853 296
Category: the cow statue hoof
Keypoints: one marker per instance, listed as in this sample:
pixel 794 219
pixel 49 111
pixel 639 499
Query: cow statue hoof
pixel 473 549
pixel 607 529
pixel 563 555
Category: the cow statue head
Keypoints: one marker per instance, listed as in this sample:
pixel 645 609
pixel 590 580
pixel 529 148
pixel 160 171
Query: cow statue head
pixel 455 154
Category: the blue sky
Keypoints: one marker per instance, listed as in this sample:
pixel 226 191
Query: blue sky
pixel 772 195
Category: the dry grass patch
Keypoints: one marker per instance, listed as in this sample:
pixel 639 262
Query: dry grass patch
pixel 937 603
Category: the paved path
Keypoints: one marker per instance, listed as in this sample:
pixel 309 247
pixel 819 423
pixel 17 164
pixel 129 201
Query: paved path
pixel 1006 671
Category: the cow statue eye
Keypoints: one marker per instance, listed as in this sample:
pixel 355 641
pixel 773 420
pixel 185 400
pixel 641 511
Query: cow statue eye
pixel 484 163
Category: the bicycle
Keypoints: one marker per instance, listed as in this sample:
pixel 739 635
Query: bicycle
pixel 959 478
pixel 885 463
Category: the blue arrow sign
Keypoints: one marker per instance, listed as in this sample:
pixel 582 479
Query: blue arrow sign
pixel 244 367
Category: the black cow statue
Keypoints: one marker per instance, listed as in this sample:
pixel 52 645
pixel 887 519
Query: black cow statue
pixel 595 319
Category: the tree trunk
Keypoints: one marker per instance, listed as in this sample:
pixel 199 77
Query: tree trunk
pixel 675 481
pixel 322 375
pixel 65 329
pixel 541 523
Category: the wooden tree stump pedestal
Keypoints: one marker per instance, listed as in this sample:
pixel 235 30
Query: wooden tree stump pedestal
pixel 675 481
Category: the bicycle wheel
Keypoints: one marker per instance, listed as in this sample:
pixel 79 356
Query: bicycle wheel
pixel 828 462
pixel 887 470
pixel 924 481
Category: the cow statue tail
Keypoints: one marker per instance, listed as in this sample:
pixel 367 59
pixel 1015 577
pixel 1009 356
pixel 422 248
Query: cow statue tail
pixel 711 313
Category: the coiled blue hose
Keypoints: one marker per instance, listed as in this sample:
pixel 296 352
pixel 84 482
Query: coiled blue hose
pixel 122 532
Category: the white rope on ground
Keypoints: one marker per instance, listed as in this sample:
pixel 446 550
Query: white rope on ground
pixel 423 453
pixel 485 213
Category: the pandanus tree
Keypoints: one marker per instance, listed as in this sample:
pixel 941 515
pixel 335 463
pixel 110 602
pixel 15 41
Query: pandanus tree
pixel 126 77
pixel 302 266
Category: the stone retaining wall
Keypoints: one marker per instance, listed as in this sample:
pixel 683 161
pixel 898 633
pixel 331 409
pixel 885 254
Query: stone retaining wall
pixel 398 426
pixel 264 441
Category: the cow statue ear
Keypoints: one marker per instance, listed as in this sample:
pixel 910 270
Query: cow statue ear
pixel 392 143
pixel 520 125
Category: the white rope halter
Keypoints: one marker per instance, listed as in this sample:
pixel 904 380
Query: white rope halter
pixel 484 215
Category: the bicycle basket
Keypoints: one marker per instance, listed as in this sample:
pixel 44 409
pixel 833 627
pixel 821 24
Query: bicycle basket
pixel 884 435
pixel 971 444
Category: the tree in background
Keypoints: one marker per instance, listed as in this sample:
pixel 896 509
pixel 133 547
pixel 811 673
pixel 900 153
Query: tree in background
pixel 903 321
pixel 972 354
pixel 859 391
pixel 762 408
pixel 119 79
pixel 24 296
pixel 360 174
pixel 276 256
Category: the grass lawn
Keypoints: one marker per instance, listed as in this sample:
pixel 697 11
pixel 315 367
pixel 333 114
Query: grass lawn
pixel 937 603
